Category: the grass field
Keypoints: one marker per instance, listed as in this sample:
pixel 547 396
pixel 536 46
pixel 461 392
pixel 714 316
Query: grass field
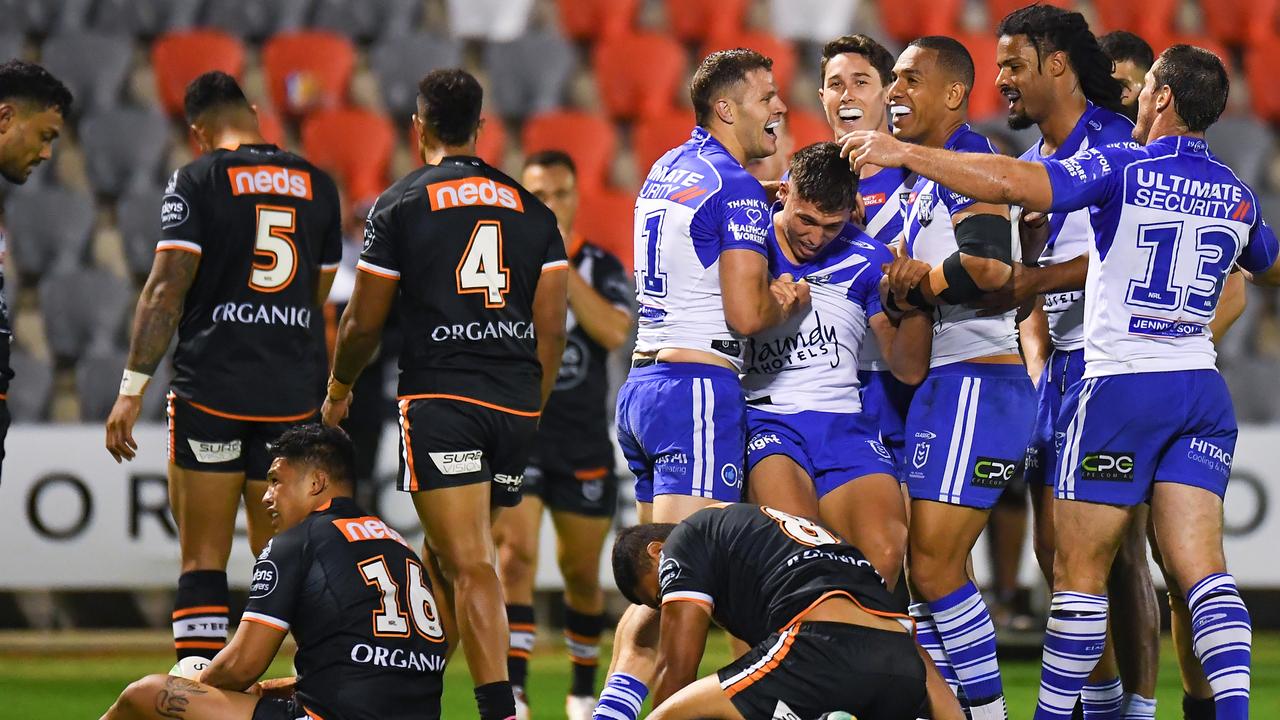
pixel 71 686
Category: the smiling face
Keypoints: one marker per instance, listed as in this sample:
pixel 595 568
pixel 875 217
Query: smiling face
pixel 807 229
pixel 852 94
pixel 757 111
pixel 1024 81
pixel 918 95
pixel 26 138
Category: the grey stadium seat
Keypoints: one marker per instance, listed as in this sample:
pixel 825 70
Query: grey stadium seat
pixel 138 219
pixel 49 229
pixel 84 311
pixel 10 45
pixel 530 74
pixel 123 147
pixel 368 19
pixel 31 387
pixel 255 19
pixel 143 18
pixel 98 384
pixel 1245 144
pixel 41 17
pixel 400 62
pixel 93 65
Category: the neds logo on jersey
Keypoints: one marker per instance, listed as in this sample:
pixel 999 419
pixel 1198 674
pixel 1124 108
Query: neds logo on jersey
pixel 468 192
pixel 270 180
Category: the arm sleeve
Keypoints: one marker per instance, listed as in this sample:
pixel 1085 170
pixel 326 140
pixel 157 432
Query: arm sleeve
pixel 331 243
pixel 1087 178
pixel 737 218
pixel 277 581
pixel 180 214
pixel 554 256
pixel 1261 249
pixel 381 253
pixel 686 571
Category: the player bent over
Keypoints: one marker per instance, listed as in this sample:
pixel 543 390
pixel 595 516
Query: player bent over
pixel 354 595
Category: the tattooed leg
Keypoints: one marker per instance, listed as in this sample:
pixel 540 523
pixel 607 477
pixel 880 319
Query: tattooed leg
pixel 166 697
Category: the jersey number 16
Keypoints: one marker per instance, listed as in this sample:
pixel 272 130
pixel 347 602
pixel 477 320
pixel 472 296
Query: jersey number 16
pixel 390 620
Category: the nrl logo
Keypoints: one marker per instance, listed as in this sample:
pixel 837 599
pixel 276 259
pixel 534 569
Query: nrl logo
pixel 924 205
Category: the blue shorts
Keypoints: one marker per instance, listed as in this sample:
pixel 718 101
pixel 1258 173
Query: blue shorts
pixel 1063 370
pixel 968 431
pixel 682 428
pixel 886 400
pixel 833 448
pixel 1125 432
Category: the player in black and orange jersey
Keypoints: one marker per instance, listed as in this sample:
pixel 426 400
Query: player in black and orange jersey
pixel 371 645
pixel 250 238
pixel 478 267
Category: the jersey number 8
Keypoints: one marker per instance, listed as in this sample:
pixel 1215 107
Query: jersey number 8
pixel 390 620
pixel 481 269
pixel 803 531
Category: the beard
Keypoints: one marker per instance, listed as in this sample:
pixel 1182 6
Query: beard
pixel 1020 121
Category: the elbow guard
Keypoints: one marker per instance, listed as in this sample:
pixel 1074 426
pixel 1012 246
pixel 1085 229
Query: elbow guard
pixel 983 236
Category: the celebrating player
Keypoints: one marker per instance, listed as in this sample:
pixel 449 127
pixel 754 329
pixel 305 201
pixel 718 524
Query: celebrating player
pixel 1152 419
pixel 250 239
pixel 476 261
pixel 33 105
pixel 1131 58
pixel 352 592
pixel 571 466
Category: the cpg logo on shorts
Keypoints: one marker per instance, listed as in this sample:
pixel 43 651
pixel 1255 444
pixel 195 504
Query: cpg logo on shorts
pixel 1108 466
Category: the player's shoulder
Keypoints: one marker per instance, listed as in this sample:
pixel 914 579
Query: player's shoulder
pixel 1107 127
pixel 966 139
pixel 604 259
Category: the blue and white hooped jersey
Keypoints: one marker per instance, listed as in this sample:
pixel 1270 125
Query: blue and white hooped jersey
pixel 697 202
pixel 1169 220
pixel 885 197
pixel 810 362
pixel 1071 234
pixel 959 333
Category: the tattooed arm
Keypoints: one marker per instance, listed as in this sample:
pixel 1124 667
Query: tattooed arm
pixel 239 665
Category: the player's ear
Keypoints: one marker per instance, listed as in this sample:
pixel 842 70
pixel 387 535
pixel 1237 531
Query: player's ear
pixel 784 189
pixel 724 110
pixel 1057 63
pixel 654 550
pixel 8 113
pixel 955 95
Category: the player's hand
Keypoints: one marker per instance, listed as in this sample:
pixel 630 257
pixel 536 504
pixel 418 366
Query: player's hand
pixel 872 147
pixel 335 411
pixel 791 295
pixel 904 274
pixel 1014 295
pixel 124 414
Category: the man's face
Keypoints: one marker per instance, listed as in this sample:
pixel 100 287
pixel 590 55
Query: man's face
pixel 26 138
pixel 288 497
pixel 852 94
pixel 1147 100
pixel 808 230
pixel 647 590
pixel 917 97
pixel 757 111
pixel 1132 77
pixel 556 187
pixel 1023 81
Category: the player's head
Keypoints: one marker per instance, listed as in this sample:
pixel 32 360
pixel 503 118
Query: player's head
pixel 311 464
pixel 552 178
pixel 930 92
pixel 214 104
pixel 1185 92
pixel 1044 54
pixel 1132 58
pixel 734 97
pixel 856 71
pixel 449 102
pixel 817 199
pixel 33 104
pixel 637 558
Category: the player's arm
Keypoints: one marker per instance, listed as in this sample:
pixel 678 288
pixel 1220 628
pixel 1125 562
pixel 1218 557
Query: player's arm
pixel 550 305
pixel 239 665
pixel 752 303
pixel 1230 305
pixel 1259 258
pixel 359 332
pixel 324 283
pixel 682 639
pixel 1033 337
pixel 606 322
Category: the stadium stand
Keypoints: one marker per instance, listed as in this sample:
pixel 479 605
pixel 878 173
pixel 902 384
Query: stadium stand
pixel 631 89
pixel 180 57
pixel 594 140
pixel 699 20
pixel 307 70
pixel 596 19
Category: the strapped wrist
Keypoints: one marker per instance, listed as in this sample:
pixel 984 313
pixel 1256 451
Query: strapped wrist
pixel 133 383
pixel 338 390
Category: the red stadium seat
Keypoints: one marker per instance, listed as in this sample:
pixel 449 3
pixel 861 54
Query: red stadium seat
pixel 998 9
pixel 491 143
pixel 781 51
pixel 596 19
pixel 907 20
pixel 985 100
pixel 270 126
pixel 652 137
pixel 605 217
pixel 1260 63
pixel 589 139
pixel 180 57
pixel 1150 19
pixel 698 20
pixel 354 144
pixel 638 74
pixel 307 70
pixel 807 127
pixel 1203 41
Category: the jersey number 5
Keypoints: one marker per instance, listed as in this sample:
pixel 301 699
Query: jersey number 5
pixel 390 620
pixel 481 269
pixel 275 256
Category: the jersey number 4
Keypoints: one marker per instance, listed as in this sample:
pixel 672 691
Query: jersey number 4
pixel 481 269
pixel 390 620
pixel 275 257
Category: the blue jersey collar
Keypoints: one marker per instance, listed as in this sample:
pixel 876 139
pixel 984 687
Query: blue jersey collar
pixel 955 136
pixel 1182 144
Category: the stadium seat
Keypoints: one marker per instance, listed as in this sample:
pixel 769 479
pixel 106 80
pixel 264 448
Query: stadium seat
pixel 44 17
pixel 49 229
pixel 1245 145
pixel 605 217
pixel 596 19
pixel 1239 22
pixel 530 74
pixel 638 74
pixel 701 20
pixel 493 20
pixel 123 146
pixel 136 219
pixel 1150 19
pixel 985 100
pixel 29 400
pixel 812 21
pixel 10 45
pixel 84 311
pixel 143 18
pixel 1260 63
pixel 92 65
pixel 255 19
pixel 307 70
pixel 781 51
pixel 180 57
pixel 807 127
pixel 652 137
pixel 589 139
pixel 367 19
pixel 96 383
pixel 399 62
pixel 354 144
pixel 906 20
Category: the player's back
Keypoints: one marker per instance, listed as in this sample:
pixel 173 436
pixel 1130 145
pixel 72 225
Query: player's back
pixel 468 245
pixel 265 223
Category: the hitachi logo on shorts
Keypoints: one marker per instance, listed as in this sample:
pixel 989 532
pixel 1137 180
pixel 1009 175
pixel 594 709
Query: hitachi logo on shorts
pixel 396 658
pixel 215 452
pixel 471 191
pixel 270 180
pixel 458 462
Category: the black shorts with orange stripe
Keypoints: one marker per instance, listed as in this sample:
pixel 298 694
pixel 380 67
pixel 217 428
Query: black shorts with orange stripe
pixel 278 708
pixel 586 487
pixel 812 668
pixel 453 441
pixel 208 440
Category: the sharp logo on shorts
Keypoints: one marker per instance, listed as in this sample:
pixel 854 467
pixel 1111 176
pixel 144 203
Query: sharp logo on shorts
pixel 468 192
pixel 215 452
pixel 265 576
pixel 995 472
pixel 512 482
pixel 173 210
pixel 763 440
pixel 668 571
pixel 270 180
pixel 1107 465
pixel 731 475
pixel 782 712
pixel 920 457
pixel 458 462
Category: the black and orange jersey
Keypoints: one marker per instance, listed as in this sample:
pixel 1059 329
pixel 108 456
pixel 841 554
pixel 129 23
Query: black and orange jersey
pixel 360 606
pixel 468 246
pixel 265 224
pixel 758 569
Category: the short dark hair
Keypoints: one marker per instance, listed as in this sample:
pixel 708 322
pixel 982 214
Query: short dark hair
pixel 953 57
pixel 213 90
pixel 820 176
pixel 1121 45
pixel 1051 29
pixel 719 70
pixel 451 100
pixel 1199 83
pixel 875 53
pixel 630 558
pixel 326 448
pixel 24 81
pixel 552 158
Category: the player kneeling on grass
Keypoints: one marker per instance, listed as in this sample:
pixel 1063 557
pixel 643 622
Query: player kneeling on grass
pixel 827 636
pixel 370 642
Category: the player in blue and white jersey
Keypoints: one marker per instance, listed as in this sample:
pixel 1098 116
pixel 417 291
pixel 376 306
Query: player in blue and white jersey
pixel 1152 419
pixel 702 285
